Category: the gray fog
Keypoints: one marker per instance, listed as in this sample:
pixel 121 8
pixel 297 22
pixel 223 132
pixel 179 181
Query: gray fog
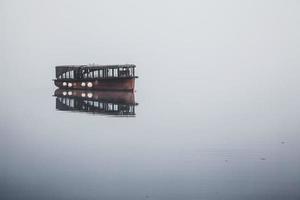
pixel 218 93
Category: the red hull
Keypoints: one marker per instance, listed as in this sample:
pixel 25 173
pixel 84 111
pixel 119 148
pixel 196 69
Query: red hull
pixel 109 96
pixel 121 84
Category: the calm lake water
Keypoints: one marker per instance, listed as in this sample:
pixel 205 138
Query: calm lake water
pixel 218 101
pixel 183 143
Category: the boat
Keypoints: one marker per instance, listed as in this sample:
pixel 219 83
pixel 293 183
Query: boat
pixel 113 103
pixel 96 77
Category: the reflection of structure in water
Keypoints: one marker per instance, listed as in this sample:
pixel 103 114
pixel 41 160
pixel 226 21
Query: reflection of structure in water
pixel 103 102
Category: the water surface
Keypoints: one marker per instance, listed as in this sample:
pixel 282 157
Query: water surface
pixel 218 101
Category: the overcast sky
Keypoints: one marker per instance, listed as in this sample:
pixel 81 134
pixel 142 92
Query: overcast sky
pixel 218 80
pixel 213 40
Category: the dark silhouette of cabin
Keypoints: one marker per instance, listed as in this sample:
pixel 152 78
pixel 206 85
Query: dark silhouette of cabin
pixel 86 72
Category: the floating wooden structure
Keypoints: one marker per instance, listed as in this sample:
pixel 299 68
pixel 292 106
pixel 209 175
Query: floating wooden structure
pixel 97 77
pixel 115 103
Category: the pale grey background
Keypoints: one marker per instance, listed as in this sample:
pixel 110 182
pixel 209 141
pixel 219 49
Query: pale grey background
pixel 218 91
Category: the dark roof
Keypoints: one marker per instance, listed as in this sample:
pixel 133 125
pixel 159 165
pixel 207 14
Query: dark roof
pixel 95 66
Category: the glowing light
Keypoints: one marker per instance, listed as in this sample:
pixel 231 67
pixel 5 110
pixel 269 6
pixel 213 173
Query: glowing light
pixel 90 84
pixel 90 95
